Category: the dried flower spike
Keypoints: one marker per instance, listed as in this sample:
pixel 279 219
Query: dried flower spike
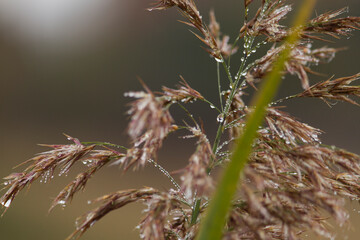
pixel 44 165
pixel 337 89
pixel 184 93
pixel 194 19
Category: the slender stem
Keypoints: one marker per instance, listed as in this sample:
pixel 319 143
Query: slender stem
pixel 217 138
pixel 188 113
pixel 234 88
pixel 227 70
pixel 283 99
pixel 212 105
pixel 232 48
pixel 219 85
pixel 166 173
pixel 249 40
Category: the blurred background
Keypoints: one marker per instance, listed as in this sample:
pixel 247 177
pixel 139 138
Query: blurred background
pixel 64 67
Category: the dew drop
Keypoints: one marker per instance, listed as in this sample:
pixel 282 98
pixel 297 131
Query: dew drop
pixel 212 106
pixel 242 59
pixel 7 203
pixel 220 60
pixel 220 118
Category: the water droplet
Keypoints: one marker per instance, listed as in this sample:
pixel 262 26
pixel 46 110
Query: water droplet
pixel 220 118
pixel 212 106
pixel 89 202
pixel 7 203
pixel 242 59
pixel 220 60
pixel 6 183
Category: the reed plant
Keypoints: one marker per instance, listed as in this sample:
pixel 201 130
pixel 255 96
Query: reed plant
pixel 278 179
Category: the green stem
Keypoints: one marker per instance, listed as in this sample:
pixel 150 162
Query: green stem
pixel 219 85
pixel 166 173
pixel 227 71
pixel 188 113
pixel 249 40
pixel 234 88
pixel 283 99
pixel 211 105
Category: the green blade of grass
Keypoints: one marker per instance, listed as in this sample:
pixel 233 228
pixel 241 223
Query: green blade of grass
pixel 213 224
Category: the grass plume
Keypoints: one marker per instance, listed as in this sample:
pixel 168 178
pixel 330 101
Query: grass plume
pixel 290 181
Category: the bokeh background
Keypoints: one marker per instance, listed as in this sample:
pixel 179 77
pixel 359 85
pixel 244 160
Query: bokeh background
pixel 64 67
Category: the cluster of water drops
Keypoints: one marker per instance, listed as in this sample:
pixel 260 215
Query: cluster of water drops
pixel 46 176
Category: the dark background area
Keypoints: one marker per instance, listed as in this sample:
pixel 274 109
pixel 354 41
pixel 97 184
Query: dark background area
pixel 64 68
